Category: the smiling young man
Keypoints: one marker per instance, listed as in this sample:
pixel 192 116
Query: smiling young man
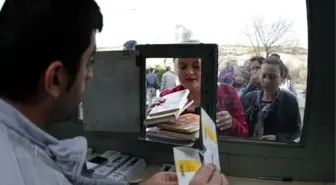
pixel 47 49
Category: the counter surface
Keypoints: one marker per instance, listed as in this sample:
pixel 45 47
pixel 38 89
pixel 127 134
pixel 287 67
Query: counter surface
pixel 152 169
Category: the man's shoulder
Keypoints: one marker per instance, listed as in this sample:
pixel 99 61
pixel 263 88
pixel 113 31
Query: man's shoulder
pixel 10 167
pixel 7 144
pixel 22 162
pixel 248 97
pixel 165 74
pixel 170 73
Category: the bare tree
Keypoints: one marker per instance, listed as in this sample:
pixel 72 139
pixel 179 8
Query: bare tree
pixel 266 36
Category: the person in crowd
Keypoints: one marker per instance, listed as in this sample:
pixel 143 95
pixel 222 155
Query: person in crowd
pixel 230 117
pixel 152 82
pixel 246 65
pixel 48 91
pixel 254 69
pixel 226 75
pixel 130 45
pixel 168 80
pixel 276 55
pixel 287 83
pixel 272 113
pixel 245 71
pixel 238 80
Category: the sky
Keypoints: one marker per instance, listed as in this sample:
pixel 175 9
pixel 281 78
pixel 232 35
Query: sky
pixel 211 21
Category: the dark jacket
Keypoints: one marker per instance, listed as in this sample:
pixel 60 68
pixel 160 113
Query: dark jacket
pixel 152 81
pixel 249 88
pixel 284 120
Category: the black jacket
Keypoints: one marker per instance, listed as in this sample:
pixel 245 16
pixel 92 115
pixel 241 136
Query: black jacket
pixel 250 88
pixel 284 121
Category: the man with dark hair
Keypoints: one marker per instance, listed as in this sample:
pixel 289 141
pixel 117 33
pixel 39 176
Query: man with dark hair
pixel 47 49
pixel 254 69
pixel 276 55
pixel 130 45
pixel 168 79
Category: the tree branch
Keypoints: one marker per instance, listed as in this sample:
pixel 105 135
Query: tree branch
pixel 269 35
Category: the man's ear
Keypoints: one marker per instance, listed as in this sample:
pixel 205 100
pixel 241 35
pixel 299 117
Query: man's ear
pixel 55 79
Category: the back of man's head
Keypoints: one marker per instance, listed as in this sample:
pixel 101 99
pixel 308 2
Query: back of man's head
pixel 168 68
pixel 259 59
pixel 36 33
pixel 276 55
pixel 42 43
pixel 130 45
pixel 151 69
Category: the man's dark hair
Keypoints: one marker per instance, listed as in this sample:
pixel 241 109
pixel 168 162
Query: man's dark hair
pixel 168 68
pixel 259 59
pixel 130 45
pixel 276 61
pixel 276 55
pixel 151 69
pixel 34 34
pixel 286 72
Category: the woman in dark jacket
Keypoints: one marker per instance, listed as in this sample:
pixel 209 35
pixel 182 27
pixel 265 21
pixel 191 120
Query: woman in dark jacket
pixel 272 113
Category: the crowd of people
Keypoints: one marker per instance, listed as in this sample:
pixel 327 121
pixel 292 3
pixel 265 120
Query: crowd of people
pixel 153 83
pixel 246 78
pixel 257 100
